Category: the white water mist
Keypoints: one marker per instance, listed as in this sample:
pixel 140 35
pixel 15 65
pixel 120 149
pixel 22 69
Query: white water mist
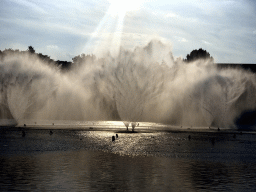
pixel 146 84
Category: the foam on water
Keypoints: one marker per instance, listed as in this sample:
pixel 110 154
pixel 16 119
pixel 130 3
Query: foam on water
pixel 146 84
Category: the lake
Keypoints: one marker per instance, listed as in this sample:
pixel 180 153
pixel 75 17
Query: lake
pixel 42 159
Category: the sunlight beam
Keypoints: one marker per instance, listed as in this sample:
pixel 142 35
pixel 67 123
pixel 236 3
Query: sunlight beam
pixel 108 35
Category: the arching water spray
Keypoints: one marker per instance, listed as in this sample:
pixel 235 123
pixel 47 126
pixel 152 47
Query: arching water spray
pixel 146 84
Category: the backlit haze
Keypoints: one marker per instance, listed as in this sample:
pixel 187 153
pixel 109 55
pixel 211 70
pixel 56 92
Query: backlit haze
pixel 64 29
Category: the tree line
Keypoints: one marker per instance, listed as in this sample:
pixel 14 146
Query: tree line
pixel 65 65
pixel 78 60
pixel 194 55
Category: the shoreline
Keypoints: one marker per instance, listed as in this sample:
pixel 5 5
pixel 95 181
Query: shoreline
pixel 174 129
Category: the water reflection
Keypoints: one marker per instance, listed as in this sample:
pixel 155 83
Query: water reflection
pixel 86 170
pixel 100 171
pixel 90 161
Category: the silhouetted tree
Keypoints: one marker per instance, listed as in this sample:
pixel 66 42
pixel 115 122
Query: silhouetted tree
pixel 198 54
pixel 78 60
pixel 45 58
pixel 64 64
pixel 31 49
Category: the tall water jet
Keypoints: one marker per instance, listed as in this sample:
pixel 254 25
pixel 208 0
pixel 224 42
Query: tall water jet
pixel 126 124
pixel 146 84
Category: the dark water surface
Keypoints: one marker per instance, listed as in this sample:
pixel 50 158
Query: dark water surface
pixel 70 160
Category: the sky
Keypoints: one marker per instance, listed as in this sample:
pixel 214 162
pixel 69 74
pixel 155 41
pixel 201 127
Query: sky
pixel 64 29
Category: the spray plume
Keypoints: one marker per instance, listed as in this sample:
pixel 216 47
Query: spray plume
pixel 146 84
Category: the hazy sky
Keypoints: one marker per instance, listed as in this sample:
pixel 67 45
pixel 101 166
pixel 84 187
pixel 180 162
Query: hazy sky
pixel 63 29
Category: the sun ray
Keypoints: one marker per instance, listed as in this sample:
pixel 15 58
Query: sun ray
pixel 108 34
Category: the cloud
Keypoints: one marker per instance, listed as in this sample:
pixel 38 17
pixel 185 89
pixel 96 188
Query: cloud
pixel 180 39
pixel 183 40
pixel 30 5
pixel 206 42
pixel 171 15
pixel 61 27
pixel 228 24
pixel 52 47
